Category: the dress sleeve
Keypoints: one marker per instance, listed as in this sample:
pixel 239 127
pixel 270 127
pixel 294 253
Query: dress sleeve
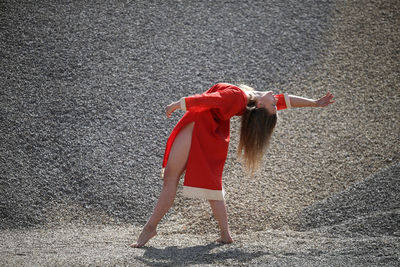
pixel 283 101
pixel 223 99
pixel 202 102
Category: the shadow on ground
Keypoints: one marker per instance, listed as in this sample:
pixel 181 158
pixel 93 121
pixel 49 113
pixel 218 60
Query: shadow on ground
pixel 173 256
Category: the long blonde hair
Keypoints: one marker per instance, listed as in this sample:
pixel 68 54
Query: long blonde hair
pixel 257 126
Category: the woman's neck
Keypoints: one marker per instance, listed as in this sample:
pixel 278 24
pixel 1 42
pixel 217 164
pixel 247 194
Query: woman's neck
pixel 253 95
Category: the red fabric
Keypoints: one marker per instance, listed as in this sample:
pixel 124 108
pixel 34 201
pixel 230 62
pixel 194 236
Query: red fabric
pixel 281 103
pixel 211 112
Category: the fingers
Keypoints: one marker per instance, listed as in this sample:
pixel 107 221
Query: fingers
pixel 167 112
pixel 326 100
pixel 330 97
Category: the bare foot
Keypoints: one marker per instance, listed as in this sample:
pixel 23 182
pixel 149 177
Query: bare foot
pixel 225 240
pixel 144 236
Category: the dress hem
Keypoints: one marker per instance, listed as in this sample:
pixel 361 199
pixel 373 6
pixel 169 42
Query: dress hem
pixel 202 193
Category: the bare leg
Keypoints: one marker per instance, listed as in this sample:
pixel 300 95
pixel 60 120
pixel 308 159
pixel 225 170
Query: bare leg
pixel 219 210
pixel 176 165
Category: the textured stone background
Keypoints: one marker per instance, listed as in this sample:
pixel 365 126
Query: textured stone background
pixel 82 127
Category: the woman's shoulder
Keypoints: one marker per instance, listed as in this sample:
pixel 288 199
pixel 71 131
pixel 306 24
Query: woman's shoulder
pixel 227 90
pixel 224 86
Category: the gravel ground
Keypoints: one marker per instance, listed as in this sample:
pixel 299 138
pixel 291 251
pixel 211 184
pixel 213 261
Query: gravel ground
pixel 107 246
pixel 83 89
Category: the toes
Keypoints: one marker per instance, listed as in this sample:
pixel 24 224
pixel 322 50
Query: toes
pixel 136 245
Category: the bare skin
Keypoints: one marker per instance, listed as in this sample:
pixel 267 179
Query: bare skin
pixel 219 210
pixel 268 101
pixel 177 163
pixel 174 169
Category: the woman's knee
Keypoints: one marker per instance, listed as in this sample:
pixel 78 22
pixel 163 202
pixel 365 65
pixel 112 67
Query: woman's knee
pixel 169 181
pixel 171 175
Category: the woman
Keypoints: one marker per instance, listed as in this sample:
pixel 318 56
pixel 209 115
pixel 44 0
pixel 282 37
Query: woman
pixel 199 144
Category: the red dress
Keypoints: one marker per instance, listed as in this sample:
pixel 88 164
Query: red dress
pixel 211 113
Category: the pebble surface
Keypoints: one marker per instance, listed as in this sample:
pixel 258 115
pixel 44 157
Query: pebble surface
pixel 83 129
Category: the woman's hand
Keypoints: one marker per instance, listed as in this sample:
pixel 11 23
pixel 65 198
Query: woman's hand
pixel 325 100
pixel 172 107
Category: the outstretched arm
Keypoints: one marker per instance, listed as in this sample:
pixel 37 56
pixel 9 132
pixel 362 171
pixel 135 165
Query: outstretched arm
pixel 300 102
pixel 172 107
